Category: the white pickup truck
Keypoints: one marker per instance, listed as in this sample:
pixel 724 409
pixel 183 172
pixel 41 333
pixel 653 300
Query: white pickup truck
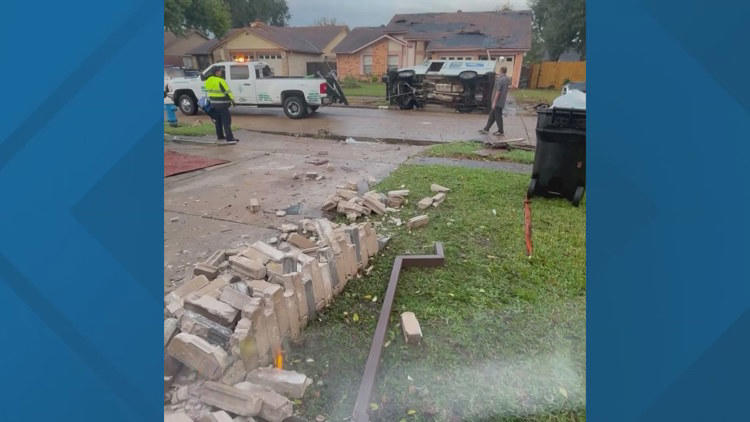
pixel 253 84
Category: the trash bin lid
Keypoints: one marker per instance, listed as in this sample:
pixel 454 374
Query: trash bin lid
pixel 574 99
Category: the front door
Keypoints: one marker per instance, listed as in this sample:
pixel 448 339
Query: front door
pixel 241 84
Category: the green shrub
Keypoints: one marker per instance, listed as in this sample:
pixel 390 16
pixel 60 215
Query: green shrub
pixel 349 82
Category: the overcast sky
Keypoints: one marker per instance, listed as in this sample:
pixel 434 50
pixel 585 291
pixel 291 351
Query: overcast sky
pixel 379 12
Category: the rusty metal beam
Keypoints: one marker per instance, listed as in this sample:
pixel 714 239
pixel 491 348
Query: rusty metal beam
pixel 376 348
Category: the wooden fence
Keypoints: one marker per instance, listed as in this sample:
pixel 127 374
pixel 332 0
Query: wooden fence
pixel 554 74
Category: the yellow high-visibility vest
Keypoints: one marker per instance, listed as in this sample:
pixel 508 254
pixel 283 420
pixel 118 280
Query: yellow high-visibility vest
pixel 214 85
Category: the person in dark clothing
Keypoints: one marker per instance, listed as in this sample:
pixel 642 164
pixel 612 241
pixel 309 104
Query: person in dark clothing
pixel 221 99
pixel 500 93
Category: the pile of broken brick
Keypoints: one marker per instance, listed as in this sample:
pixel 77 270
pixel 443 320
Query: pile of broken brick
pixel 351 200
pixel 224 327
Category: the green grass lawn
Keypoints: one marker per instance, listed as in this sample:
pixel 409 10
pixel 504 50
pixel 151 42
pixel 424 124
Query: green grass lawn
pixel 183 129
pixel 365 89
pixel 504 335
pixel 469 150
pixel 535 96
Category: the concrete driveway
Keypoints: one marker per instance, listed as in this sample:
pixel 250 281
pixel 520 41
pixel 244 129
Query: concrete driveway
pixel 206 210
pixel 432 124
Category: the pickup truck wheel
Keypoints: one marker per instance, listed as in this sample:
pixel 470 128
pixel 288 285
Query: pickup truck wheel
pixel 295 107
pixel 187 104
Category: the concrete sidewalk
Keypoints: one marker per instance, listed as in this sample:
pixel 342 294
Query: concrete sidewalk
pixel 430 125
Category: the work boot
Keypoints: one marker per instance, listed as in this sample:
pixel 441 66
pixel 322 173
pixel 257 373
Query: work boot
pixel 483 131
pixel 499 134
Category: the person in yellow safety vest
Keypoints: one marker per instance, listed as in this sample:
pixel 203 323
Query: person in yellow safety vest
pixel 221 99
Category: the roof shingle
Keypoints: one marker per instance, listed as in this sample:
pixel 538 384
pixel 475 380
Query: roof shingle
pixel 358 38
pixel 461 30
pixel 300 39
pixel 444 31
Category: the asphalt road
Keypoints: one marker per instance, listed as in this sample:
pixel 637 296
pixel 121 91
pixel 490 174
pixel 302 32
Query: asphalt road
pixel 434 124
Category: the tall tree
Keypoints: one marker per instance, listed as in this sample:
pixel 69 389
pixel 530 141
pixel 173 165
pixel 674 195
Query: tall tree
pixel 272 12
pixel 205 15
pixel 557 26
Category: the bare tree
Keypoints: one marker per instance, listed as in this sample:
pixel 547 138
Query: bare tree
pixel 326 21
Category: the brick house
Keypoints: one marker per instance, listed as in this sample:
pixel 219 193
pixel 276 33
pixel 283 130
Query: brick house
pixel 289 51
pixel 409 39
pixel 177 47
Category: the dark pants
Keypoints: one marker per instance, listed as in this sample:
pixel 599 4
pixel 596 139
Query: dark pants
pixel 496 115
pixel 223 121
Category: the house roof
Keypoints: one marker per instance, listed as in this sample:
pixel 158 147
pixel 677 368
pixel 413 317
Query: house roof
pixel 319 36
pixel 300 39
pixel 466 30
pixel 204 49
pixel 179 45
pixel 359 38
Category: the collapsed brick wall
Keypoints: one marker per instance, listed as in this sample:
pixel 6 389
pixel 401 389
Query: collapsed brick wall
pixel 260 295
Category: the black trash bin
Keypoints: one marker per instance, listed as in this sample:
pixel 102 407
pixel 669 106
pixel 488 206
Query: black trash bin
pixel 560 160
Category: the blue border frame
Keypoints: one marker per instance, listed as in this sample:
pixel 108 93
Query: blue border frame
pixel 668 315
pixel 81 220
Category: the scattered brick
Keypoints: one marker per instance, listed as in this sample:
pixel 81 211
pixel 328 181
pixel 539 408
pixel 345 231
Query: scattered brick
pixel 300 241
pixel 254 205
pixel 289 383
pixel 401 193
pixel 437 188
pixel 216 258
pixel 170 327
pixel 233 297
pixel 275 408
pixel 438 199
pixel 247 267
pixel 411 329
pixel 231 399
pixel 211 331
pixel 177 417
pixel 272 253
pixel 288 227
pixel 196 353
pixel 191 286
pixel 212 309
pixel 208 270
pixel 220 416
pixel 418 221
pixel 424 203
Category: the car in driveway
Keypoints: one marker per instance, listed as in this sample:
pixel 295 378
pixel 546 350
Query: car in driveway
pixel 254 84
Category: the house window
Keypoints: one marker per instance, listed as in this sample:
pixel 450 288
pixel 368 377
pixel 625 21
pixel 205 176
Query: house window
pixel 241 57
pixel 443 58
pixel 509 59
pixel 451 58
pixel 482 57
pixel 367 65
pixel 392 62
